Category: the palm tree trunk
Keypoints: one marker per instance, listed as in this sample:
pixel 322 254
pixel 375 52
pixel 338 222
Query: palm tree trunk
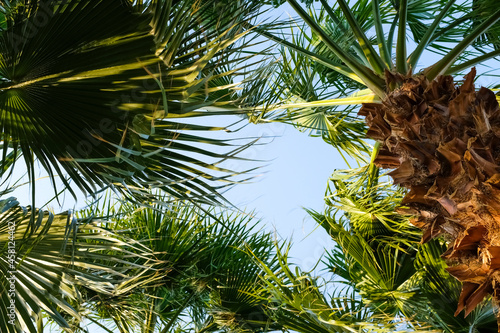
pixel 444 144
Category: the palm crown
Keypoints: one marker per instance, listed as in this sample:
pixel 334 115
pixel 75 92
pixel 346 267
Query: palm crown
pixel 440 139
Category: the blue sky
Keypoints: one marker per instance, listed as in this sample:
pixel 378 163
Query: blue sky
pixel 295 178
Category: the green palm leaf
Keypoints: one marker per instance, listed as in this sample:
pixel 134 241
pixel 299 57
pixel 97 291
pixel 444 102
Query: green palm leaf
pixel 95 90
pixel 206 277
pixel 52 262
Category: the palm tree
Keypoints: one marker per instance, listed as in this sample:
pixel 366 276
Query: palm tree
pixel 98 94
pixel 440 139
pixel 165 268
pixel 101 93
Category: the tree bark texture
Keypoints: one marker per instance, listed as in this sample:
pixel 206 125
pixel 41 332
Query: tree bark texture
pixel 443 143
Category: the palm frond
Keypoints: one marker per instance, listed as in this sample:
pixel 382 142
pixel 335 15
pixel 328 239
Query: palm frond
pixel 299 303
pixel 300 97
pixel 46 266
pixel 117 90
pixel 206 275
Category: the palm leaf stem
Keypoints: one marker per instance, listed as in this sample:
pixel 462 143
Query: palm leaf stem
pixel 374 59
pixel 442 32
pixel 372 81
pixel 39 322
pixel 401 64
pixel 392 31
pixel 373 169
pixel 372 98
pixel 442 65
pixel 472 62
pixel 382 45
pixel 426 39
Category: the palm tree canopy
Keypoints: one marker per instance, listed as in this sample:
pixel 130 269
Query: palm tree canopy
pixel 206 276
pixel 95 90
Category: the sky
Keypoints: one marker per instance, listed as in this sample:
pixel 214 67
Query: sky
pixel 295 178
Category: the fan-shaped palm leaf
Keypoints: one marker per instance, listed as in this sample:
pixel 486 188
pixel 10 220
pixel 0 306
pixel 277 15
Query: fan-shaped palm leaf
pixel 46 265
pixel 207 277
pixel 95 90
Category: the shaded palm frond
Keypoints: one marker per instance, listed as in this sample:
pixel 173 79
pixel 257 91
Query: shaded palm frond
pixel 116 90
pixel 51 262
pixel 206 277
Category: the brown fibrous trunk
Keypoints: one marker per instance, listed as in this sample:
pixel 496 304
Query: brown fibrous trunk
pixel 444 143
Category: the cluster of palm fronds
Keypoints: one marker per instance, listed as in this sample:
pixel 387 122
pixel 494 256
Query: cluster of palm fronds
pixel 118 94
pixel 163 268
pixel 105 94
pixel 97 94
